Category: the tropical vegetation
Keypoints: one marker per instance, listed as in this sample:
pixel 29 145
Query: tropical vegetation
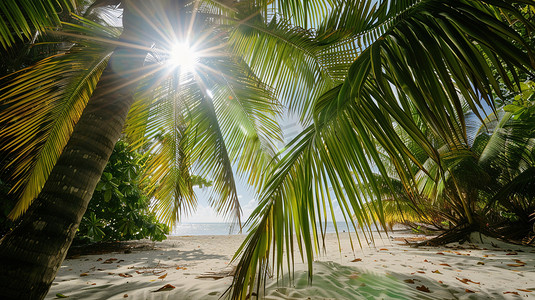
pixel 120 209
pixel 387 92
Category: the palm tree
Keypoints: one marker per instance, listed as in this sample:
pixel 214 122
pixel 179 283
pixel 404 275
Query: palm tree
pixel 363 71
pixel 192 119
pixel 420 62
pixel 495 170
pixel 34 250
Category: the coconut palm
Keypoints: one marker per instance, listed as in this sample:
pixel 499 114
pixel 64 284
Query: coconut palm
pixel 364 70
pixel 60 124
pixel 31 262
pixel 420 62
pixel 495 170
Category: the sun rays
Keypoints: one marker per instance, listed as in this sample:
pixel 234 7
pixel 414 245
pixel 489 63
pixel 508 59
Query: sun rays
pixel 177 42
pixel 183 56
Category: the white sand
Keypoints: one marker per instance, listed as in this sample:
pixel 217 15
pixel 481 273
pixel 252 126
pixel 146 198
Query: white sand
pixel 389 270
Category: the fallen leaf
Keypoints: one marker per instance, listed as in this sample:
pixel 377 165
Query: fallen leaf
pixel 527 291
pixel 409 281
pixel 422 272
pixel 93 283
pixel 469 291
pixel 357 260
pixel 423 288
pixel 125 275
pixel 436 272
pixel 519 261
pixel 164 288
pixel 440 281
pixel 446 265
pixel 354 276
pixel 440 253
pixel 120 261
pixel 84 274
pixel 109 260
pixel 181 268
pixel 485 255
pixel 466 280
pixel 480 263
pixel 60 295
pixel 514 293
pixel 111 273
pixel 125 296
pixel 99 259
pixel 139 272
pixel 383 249
pixel 511 253
pixel 163 276
pixel 425 260
pixel 516 265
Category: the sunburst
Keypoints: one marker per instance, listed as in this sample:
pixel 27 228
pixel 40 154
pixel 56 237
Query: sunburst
pixel 182 55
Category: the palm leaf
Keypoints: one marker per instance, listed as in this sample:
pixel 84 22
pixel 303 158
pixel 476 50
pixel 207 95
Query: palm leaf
pixel 21 19
pixel 421 58
pixel 313 68
pixel 42 104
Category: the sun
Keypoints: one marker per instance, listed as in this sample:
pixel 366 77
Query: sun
pixel 183 56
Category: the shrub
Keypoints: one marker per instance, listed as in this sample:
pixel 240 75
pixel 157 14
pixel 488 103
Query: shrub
pixel 119 209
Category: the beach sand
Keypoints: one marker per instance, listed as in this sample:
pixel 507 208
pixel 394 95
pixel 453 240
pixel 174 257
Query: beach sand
pixel 391 269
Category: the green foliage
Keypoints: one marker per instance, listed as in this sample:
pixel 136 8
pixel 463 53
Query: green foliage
pixel 400 113
pixel 120 209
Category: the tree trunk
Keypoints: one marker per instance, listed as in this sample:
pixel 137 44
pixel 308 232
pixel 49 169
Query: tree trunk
pixel 32 253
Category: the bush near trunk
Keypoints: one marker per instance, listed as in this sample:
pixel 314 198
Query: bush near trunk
pixel 119 209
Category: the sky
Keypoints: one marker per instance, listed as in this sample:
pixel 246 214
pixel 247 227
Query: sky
pixel 246 196
pixel 248 200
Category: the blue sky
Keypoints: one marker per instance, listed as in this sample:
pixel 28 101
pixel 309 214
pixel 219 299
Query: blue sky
pixel 248 200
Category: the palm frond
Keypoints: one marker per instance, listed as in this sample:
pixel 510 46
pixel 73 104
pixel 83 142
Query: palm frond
pixel 21 19
pixel 289 59
pixel 212 157
pixel 423 62
pixel 42 104
pixel 157 119
pixel 247 111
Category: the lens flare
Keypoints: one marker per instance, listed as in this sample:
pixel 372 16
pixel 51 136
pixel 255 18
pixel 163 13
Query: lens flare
pixel 183 56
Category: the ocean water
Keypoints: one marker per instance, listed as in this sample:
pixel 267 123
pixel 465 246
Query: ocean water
pixel 225 229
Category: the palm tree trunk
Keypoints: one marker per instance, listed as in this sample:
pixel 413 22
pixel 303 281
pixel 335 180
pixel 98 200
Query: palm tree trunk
pixel 32 253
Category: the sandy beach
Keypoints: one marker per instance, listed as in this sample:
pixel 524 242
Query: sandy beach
pixel 198 267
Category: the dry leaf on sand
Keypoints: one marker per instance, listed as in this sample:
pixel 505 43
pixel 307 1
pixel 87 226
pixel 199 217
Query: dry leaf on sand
pixel 423 288
pixel 165 288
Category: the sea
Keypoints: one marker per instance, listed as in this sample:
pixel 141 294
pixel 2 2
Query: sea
pixel 227 228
